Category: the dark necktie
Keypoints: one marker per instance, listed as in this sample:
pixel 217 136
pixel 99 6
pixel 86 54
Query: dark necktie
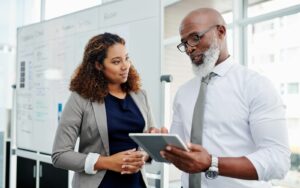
pixel 197 126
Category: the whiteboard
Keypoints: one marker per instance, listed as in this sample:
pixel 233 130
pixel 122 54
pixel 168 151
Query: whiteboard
pixel 49 52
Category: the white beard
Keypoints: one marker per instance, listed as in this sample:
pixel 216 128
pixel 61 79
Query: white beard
pixel 210 58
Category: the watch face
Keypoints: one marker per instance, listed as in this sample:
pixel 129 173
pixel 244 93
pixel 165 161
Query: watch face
pixel 211 174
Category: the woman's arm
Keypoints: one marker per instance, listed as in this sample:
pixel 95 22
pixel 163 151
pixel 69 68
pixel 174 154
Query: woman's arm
pixel 63 154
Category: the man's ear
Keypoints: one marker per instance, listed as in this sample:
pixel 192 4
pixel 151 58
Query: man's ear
pixel 98 66
pixel 221 31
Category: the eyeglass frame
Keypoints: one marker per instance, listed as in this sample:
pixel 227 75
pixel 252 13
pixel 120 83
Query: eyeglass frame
pixel 200 34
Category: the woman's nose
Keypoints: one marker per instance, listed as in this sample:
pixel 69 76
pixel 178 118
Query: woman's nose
pixel 125 65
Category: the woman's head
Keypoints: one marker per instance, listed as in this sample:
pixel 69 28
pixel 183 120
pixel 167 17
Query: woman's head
pixel 105 61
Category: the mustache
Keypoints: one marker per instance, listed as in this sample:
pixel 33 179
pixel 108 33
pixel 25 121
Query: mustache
pixel 196 57
pixel 192 56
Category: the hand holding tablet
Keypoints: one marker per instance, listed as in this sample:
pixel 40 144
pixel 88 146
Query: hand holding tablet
pixel 154 143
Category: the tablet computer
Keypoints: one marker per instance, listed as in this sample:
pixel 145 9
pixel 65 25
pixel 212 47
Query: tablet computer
pixel 153 143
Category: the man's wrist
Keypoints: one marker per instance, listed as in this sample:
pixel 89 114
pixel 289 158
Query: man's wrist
pixel 208 164
pixel 213 170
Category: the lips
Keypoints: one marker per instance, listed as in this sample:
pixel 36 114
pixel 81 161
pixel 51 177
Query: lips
pixel 197 59
pixel 124 74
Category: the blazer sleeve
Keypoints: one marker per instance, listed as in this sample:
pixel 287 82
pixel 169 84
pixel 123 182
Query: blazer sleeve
pixel 63 154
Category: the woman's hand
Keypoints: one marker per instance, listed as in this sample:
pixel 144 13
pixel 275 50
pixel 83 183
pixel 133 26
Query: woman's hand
pixel 125 162
pixel 134 162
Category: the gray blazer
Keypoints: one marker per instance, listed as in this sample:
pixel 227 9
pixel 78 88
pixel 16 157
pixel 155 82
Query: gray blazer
pixel 87 120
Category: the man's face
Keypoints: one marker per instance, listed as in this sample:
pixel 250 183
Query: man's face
pixel 197 39
pixel 210 57
pixel 201 46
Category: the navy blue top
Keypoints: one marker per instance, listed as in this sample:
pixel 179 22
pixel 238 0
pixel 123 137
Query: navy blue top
pixel 123 117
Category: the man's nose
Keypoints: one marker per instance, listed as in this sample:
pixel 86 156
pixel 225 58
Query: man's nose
pixel 189 49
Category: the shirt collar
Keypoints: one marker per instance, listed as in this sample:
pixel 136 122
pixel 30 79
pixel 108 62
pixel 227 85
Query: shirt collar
pixel 222 68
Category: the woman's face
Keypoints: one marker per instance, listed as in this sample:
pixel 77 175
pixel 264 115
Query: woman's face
pixel 116 64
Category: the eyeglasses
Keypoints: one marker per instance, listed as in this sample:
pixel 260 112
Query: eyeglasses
pixel 193 39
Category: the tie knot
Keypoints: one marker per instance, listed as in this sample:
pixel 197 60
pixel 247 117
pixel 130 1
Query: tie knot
pixel 207 78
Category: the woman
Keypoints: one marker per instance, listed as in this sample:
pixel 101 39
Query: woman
pixel 106 104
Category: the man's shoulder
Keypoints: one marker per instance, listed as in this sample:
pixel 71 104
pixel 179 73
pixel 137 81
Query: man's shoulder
pixel 246 74
pixel 250 81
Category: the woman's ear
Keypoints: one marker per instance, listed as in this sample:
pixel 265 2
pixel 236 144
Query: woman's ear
pixel 98 66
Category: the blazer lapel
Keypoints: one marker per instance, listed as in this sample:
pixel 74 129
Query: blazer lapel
pixel 100 116
pixel 137 99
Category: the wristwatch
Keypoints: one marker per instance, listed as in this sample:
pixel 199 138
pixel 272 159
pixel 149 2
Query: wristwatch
pixel 213 170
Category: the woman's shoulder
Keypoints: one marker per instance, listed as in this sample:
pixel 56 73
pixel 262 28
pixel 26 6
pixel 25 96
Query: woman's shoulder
pixel 76 95
pixel 140 92
pixel 78 99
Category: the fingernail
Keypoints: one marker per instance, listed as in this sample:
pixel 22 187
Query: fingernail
pixel 168 148
pixel 162 154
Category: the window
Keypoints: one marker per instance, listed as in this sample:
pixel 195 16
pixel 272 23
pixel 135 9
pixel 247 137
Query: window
pixel 273 50
pixel 258 7
pixel 28 12
pixel 293 88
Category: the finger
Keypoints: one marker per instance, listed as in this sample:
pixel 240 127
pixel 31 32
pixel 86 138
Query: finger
pixel 180 162
pixel 131 160
pixel 170 157
pixel 164 130
pixel 137 165
pixel 130 168
pixel 176 151
pixel 194 147
pixel 162 154
pixel 137 155
pixel 154 130
pixel 130 151
pixel 128 172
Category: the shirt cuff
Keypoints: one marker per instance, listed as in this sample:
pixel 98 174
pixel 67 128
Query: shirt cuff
pixel 90 162
pixel 256 162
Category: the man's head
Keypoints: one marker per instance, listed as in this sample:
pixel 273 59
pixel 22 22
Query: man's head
pixel 203 37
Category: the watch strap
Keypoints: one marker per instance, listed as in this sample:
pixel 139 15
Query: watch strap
pixel 214 161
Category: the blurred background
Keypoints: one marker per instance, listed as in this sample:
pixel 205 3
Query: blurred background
pixel 262 35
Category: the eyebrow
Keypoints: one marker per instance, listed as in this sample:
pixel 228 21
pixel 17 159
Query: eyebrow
pixel 193 33
pixel 118 57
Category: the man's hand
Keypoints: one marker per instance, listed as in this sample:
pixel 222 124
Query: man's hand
pixel 193 161
pixel 157 130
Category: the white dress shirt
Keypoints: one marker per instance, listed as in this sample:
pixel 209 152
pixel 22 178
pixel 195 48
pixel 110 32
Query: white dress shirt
pixel 244 116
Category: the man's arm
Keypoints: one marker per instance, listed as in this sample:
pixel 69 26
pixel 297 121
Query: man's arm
pixel 199 160
pixel 237 167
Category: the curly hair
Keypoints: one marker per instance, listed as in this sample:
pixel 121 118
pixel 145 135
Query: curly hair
pixel 91 83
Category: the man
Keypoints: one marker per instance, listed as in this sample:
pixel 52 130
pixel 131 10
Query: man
pixel 244 136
